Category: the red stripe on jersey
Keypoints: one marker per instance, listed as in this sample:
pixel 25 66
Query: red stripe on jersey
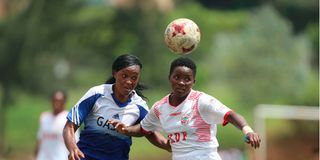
pixel 158 104
pixel 145 131
pixel 225 117
pixel 202 128
pixel 194 96
pixel 175 114
pixel 156 111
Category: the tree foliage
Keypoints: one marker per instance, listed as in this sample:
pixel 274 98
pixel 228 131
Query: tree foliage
pixel 258 56
pixel 264 62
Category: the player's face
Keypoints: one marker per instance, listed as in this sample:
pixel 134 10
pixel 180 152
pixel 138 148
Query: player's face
pixel 126 80
pixel 58 101
pixel 182 80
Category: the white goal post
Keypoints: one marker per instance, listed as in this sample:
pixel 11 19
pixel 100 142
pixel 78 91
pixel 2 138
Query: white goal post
pixel 268 111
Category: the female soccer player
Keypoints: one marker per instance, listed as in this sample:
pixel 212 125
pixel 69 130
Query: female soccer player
pixel 189 117
pixel 119 100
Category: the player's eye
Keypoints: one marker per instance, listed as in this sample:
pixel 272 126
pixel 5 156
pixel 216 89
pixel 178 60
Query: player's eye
pixel 124 76
pixel 134 78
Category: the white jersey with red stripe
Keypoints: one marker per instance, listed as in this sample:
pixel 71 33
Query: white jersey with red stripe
pixel 191 126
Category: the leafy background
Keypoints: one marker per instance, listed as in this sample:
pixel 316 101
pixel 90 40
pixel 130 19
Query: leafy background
pixel 251 52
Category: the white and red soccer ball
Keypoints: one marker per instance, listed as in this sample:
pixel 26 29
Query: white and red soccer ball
pixel 182 36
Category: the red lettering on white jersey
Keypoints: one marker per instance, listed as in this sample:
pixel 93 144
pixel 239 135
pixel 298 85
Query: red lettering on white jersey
pixel 175 114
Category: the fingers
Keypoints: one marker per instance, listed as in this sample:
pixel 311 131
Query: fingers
pixel 70 157
pixel 120 127
pixel 76 155
pixel 112 122
pixel 253 139
pixel 81 155
pixel 73 157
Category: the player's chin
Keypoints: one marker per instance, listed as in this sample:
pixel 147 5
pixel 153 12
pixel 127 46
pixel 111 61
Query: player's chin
pixel 180 92
pixel 127 91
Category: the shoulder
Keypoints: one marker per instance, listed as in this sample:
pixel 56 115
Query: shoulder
pixel 64 113
pixel 194 95
pixel 161 102
pixel 101 89
pixel 136 99
pixel 206 100
pixel 205 96
pixel 45 115
pixel 98 91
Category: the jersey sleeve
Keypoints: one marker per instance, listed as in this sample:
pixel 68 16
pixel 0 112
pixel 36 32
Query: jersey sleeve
pixel 143 111
pixel 212 110
pixel 151 122
pixel 79 112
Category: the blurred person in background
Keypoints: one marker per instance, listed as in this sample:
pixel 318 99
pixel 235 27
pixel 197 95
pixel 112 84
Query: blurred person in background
pixel 50 144
pixel 119 99
pixel 189 117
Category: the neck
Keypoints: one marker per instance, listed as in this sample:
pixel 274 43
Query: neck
pixel 56 112
pixel 175 100
pixel 121 98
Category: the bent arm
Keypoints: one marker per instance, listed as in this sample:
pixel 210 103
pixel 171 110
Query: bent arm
pixel 70 141
pixel 155 138
pixel 134 130
pixel 238 121
pixel 159 140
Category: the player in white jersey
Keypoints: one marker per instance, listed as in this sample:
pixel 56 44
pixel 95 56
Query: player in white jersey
pixel 189 117
pixel 119 100
pixel 50 145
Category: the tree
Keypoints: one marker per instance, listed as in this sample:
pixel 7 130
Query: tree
pixel 25 36
pixel 265 62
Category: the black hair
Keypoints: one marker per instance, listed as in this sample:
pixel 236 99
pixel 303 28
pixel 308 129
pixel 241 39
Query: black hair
pixel 124 61
pixel 183 61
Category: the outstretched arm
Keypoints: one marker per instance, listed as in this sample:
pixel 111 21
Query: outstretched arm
pixel 238 121
pixel 134 130
pixel 70 141
pixel 155 138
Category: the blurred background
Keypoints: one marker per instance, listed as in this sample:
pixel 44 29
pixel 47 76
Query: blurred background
pixel 251 52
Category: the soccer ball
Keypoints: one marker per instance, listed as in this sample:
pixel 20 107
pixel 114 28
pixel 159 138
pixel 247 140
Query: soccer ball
pixel 182 36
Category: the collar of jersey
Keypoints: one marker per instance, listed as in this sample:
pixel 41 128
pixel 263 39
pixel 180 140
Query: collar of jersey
pixel 120 104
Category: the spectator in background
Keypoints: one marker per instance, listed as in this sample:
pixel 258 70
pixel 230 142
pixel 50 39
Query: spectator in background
pixel 50 144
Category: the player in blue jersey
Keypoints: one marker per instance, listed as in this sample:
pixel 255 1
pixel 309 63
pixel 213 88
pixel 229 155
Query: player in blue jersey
pixel 119 99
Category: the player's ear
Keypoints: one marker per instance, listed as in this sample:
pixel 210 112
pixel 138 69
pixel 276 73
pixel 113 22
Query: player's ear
pixel 113 74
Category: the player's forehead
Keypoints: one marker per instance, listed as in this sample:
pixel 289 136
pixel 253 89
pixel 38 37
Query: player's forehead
pixel 182 71
pixel 133 69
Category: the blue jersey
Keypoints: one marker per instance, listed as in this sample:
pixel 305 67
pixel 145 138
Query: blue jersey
pixel 99 140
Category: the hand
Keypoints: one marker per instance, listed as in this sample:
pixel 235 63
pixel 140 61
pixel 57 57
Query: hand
pixel 75 154
pixel 120 127
pixel 253 139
